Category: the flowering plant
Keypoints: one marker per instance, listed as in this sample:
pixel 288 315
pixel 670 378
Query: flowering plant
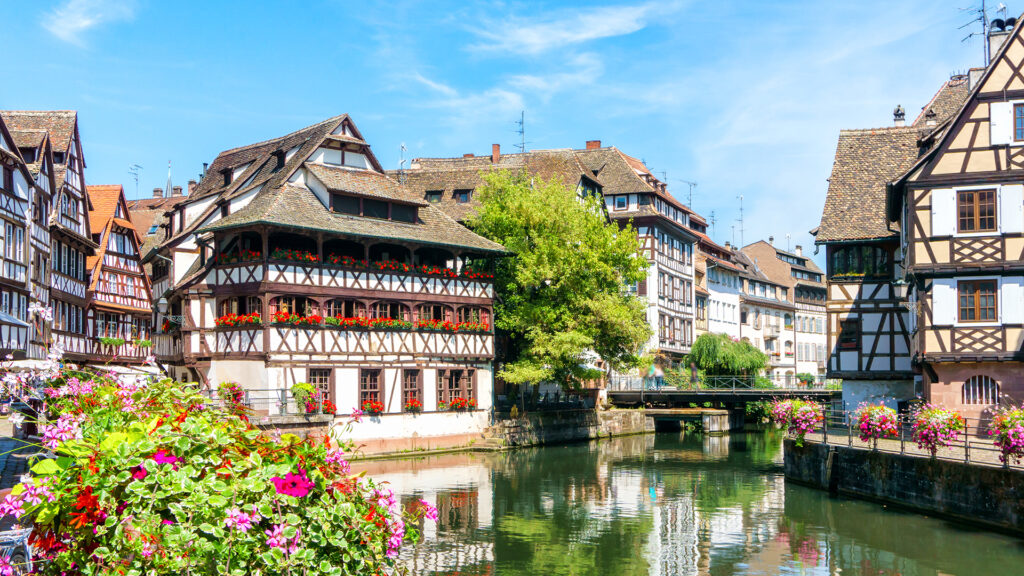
pixel 373 407
pixel 459 404
pixel 473 275
pixel 294 255
pixel 876 421
pixel 1008 429
pixel 232 320
pixel 169 326
pixel 447 326
pixel 799 417
pixel 282 317
pixel 368 323
pixel 240 256
pixel 231 393
pixel 151 479
pixel 414 405
pixel 347 261
pixel 935 427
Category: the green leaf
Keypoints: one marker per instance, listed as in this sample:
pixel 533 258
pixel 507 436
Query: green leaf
pixel 112 441
pixel 46 467
pixel 217 500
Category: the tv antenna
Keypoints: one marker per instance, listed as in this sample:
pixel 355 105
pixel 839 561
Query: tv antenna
pixel 980 15
pixel 401 166
pixel 787 242
pixel 689 203
pixel 742 229
pixel 521 131
pixel 134 170
pixel 712 220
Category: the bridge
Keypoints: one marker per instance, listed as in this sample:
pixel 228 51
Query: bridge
pixel 730 391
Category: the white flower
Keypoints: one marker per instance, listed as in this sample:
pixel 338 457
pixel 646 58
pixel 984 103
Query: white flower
pixel 9 357
pixel 150 360
pixel 45 312
pixel 17 418
pixel 25 478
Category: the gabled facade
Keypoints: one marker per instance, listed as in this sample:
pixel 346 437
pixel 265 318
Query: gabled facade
pixel 870 315
pixel 69 241
pixel 632 194
pixel 722 282
pixel 298 259
pixel 120 311
pixel 960 210
pixel 767 317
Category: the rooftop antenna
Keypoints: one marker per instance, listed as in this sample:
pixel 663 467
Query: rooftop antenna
pixel 733 234
pixel 521 131
pixel 742 229
pixel 787 242
pixel 167 193
pixel 689 203
pixel 712 220
pixel 401 166
pixel 134 170
pixel 981 15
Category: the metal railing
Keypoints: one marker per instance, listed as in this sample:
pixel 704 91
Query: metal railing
pixel 626 383
pixel 270 402
pixel 972 446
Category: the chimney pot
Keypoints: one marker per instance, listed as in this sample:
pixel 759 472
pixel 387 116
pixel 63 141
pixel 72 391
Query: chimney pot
pixel 799 250
pixel 467 155
pixel 191 187
pixel 899 116
pixel 727 244
pixel 495 153
pixel 593 144
pixel 158 192
pixel 771 240
pixel 176 191
pixel 205 166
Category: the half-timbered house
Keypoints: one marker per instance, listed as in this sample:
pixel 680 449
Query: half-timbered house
pixel 70 241
pixel 766 316
pixel 298 259
pixel 120 311
pixel 960 210
pixel 869 317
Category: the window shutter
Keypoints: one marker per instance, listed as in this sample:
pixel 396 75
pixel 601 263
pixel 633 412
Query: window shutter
pixel 943 212
pixel 1011 209
pixel 1011 301
pixel 943 302
pixel 1000 121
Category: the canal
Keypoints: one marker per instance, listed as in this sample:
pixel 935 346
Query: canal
pixel 667 504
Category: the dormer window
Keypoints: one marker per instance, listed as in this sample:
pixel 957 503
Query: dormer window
pixel 462 196
pixel 28 153
pixel 279 160
pixel 433 196
pixel 371 208
pixel 621 202
pixel 58 157
pixel 227 176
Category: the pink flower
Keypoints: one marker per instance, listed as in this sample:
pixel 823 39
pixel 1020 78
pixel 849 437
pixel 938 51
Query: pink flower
pixel 165 457
pixel 429 511
pixel 276 537
pixel 293 484
pixel 357 415
pixel 240 520
pixel 11 505
pixel 5 567
pixel 139 472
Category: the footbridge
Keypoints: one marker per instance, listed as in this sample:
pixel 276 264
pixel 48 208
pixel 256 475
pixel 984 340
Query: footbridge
pixel 720 391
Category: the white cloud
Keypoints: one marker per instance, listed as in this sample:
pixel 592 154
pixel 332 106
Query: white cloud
pixel 72 19
pixel 436 86
pixel 566 28
pixel 580 70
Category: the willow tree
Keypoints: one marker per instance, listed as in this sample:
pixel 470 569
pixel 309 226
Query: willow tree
pixel 720 355
pixel 561 295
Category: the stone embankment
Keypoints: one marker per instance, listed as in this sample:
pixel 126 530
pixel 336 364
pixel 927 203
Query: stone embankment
pixel 974 493
pixel 540 428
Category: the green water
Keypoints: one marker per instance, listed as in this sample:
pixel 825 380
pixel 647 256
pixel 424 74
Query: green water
pixel 668 505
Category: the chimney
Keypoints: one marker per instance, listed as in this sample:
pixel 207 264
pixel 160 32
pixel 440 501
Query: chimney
pixel 158 192
pixel 771 240
pixel 593 144
pixel 467 155
pixel 176 191
pixel 191 187
pixel 999 30
pixel 799 250
pixel 930 117
pixel 899 116
pixel 205 166
pixel 495 153
pixel 727 246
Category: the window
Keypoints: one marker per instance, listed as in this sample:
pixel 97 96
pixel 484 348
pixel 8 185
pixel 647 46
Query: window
pixel 369 386
pixel 433 196
pixel 393 310
pixel 58 157
pixel 1018 122
pixel 849 334
pixel 455 384
pixel 859 261
pixel 621 202
pixel 433 312
pixel 462 196
pixel 474 314
pixel 403 213
pixel 345 204
pixel 320 378
pixel 375 208
pixel 977 300
pixel 8 178
pixel 976 211
pixel 980 390
pixel 345 308
pixel 412 386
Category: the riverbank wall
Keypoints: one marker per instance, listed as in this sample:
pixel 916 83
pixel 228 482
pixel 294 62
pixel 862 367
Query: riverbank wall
pixel 541 428
pixel 981 495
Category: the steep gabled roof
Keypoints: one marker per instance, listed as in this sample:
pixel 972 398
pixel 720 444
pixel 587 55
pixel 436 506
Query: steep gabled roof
pixel 105 199
pixel 946 102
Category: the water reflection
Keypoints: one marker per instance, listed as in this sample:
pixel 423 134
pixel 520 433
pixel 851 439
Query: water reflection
pixel 666 505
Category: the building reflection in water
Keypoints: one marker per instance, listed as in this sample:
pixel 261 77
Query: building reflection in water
pixel 665 505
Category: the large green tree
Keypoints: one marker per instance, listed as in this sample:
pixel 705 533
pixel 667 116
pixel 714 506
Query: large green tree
pixel 562 291
pixel 720 355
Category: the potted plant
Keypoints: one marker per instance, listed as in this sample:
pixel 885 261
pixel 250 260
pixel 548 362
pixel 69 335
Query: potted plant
pixel 876 421
pixel 1008 429
pixel 305 394
pixel 373 407
pixel 935 427
pixel 413 406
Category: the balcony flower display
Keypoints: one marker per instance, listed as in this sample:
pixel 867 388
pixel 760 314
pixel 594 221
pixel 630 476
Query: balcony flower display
pixel 241 256
pixel 151 478
pixel 437 271
pixel 347 261
pixel 235 320
pixel 936 427
pixel 458 404
pixel 799 417
pixel 474 275
pixel 294 255
pixel 876 421
pixel 283 317
pixel 361 322
pixel 1008 429
pixel 169 326
pixel 413 406
pixel 447 326
pixel 373 407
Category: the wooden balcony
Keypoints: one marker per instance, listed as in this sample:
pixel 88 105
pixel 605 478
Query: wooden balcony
pixel 167 346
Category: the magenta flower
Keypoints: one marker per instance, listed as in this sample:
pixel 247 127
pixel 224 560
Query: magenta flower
pixel 429 511
pixel 276 537
pixel 293 484
pixel 240 520
pixel 165 457
pixel 140 472
pixel 357 415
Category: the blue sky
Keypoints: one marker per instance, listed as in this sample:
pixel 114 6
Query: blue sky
pixel 745 98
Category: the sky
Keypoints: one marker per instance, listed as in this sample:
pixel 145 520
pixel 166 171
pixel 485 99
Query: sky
pixel 744 98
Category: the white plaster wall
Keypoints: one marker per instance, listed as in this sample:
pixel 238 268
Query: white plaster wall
pixel 431 424
pixel 194 209
pixel 250 374
pixel 856 392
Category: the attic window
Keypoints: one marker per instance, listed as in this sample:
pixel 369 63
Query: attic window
pixel 28 153
pixel 621 202
pixel 152 229
pixel 58 157
pixel 227 176
pixel 462 196
pixel 370 208
pixel 279 156
pixel 225 209
pixel 643 200
pixel 433 196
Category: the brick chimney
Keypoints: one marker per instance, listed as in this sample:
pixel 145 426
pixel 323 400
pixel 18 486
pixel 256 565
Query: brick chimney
pixel 176 191
pixel 158 192
pixel 191 187
pixel 593 144
pixel 771 240
pixel 467 155
pixel 495 153
pixel 799 250
pixel 727 246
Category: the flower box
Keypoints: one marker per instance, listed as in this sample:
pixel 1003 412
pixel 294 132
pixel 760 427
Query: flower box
pixel 302 256
pixel 457 405
pixel 236 258
pixel 296 320
pixel 236 320
pixel 373 407
pixel 413 406
pixel 363 323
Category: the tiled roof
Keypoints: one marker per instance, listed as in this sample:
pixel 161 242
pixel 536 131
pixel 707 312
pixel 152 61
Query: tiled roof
pixel 104 199
pixel 946 102
pixel 866 160
pixel 58 124
pixel 31 139
pixel 363 183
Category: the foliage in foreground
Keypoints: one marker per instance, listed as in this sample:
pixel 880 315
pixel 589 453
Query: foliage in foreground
pixel 799 417
pixel 150 478
pixel 720 355
pixel 935 427
pixel 560 295
pixel 1008 432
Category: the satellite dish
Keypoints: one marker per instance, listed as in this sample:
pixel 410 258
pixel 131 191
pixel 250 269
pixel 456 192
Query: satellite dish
pixel 1011 22
pixel 999 24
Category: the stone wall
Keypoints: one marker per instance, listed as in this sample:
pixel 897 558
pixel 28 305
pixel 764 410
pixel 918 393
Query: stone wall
pixel 569 426
pixel 301 426
pixel 988 496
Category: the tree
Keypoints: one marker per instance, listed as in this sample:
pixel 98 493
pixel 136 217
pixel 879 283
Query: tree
pixel 720 355
pixel 561 293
